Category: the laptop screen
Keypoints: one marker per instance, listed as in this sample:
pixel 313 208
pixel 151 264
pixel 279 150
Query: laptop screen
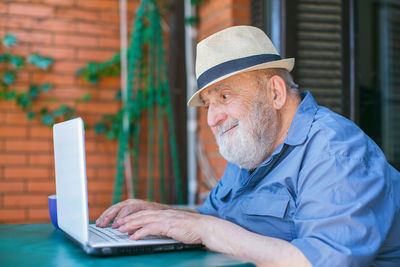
pixel 70 171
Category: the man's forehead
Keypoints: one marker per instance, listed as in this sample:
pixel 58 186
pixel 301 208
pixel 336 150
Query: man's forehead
pixel 207 92
pixel 228 83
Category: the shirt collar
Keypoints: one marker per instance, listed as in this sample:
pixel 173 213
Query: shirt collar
pixel 302 120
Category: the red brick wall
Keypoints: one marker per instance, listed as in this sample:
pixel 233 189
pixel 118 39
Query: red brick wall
pixel 215 16
pixel 72 32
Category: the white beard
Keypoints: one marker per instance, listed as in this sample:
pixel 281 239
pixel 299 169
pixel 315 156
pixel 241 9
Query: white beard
pixel 253 139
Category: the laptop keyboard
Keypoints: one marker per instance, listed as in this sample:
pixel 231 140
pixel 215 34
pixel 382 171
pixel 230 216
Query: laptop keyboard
pixel 109 233
pixel 113 235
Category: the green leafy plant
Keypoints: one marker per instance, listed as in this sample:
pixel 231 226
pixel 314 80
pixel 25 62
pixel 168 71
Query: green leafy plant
pixel 27 100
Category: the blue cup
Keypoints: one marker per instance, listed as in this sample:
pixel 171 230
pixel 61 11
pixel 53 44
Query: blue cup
pixel 53 210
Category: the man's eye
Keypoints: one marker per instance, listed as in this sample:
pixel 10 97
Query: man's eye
pixel 225 96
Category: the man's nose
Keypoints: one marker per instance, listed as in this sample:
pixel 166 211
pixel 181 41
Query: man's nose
pixel 215 115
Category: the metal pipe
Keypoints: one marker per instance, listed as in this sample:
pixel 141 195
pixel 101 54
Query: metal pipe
pixel 124 86
pixel 191 87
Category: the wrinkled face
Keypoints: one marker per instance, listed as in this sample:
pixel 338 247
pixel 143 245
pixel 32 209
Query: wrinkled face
pixel 243 122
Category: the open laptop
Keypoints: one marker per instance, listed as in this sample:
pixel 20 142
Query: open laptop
pixel 72 201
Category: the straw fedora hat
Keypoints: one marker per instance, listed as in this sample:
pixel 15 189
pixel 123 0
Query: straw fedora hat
pixel 232 51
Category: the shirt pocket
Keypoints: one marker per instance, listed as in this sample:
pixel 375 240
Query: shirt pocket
pixel 265 214
pixel 267 204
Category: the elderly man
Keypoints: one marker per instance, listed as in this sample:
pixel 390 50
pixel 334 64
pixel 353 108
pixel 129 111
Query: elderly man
pixel 304 186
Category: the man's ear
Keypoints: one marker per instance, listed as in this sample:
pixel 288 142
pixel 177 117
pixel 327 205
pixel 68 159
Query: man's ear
pixel 278 92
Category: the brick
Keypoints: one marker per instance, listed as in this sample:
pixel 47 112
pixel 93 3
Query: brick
pixel 42 187
pixel 15 118
pixel 28 145
pixel 90 173
pixel 101 186
pixel 40 131
pixel 95 212
pixel 98 29
pixel 11 187
pixel 205 133
pixel 241 15
pixel 107 94
pixel 107 146
pixel 245 3
pixel 12 131
pixel 110 82
pixel 95 4
pixel 107 173
pixel 25 200
pixel 95 55
pixel 218 163
pixel 55 79
pixel 75 40
pixel 58 2
pixel 30 10
pixel 77 14
pixel 56 53
pixel 211 8
pixel 67 66
pixel 11 215
pixel 39 214
pixel 29 36
pixel 24 172
pixel 103 200
pixel 12 159
pixel 110 42
pixel 98 159
pixel 54 25
pixel 22 77
pixel 94 107
pixel 41 159
pixel 90 146
pixel 17 22
pixel 3 7
pixel 110 16
pixel 210 147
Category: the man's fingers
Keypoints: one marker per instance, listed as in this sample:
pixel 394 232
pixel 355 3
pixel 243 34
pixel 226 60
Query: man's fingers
pixel 150 229
pixel 125 211
pixel 109 214
pixel 137 220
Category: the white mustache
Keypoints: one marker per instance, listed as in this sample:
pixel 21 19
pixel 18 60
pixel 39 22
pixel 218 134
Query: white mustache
pixel 227 126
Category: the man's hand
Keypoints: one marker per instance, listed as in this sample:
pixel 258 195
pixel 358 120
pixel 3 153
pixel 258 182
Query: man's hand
pixel 180 225
pixel 125 208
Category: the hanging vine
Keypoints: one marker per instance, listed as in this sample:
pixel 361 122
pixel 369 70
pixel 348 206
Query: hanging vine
pixel 11 65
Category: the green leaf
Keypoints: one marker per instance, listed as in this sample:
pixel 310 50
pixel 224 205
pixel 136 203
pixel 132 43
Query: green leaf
pixel 33 92
pixel 9 77
pixel 30 115
pixel 24 101
pixel 86 97
pixel 45 87
pixel 100 128
pixel 118 95
pixel 47 120
pixel 16 61
pixel 11 95
pixel 3 58
pixel 9 40
pixel 39 61
pixel 44 110
pixel 93 79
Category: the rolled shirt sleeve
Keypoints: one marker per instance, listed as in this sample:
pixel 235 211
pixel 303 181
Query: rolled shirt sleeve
pixel 344 211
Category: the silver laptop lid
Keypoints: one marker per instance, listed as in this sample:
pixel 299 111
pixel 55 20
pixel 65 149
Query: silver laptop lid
pixel 70 170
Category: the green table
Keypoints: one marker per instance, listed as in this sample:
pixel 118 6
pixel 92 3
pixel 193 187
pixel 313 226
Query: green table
pixel 42 245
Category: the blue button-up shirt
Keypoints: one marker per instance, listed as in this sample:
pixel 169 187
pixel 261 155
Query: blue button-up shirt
pixel 327 189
